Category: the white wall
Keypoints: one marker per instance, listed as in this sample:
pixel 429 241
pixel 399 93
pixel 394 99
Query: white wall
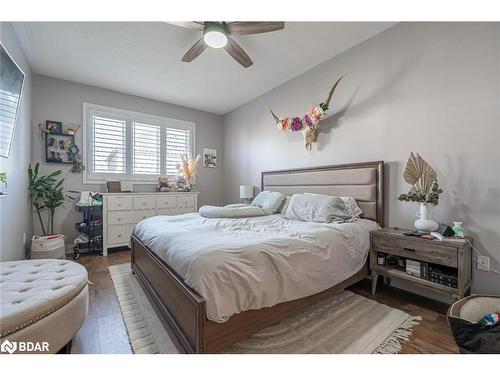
pixel 15 208
pixel 433 88
pixel 59 100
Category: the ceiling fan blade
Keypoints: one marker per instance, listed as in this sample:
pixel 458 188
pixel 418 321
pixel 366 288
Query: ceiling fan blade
pixel 237 52
pixel 193 25
pixel 195 51
pixel 247 28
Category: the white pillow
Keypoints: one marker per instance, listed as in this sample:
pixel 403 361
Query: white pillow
pixel 317 208
pixel 269 201
pixel 352 208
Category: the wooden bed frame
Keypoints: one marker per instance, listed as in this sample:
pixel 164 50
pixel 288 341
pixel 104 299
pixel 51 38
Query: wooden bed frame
pixel 183 310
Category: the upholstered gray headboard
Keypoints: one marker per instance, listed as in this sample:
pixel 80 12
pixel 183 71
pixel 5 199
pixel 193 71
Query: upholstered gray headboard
pixel 363 181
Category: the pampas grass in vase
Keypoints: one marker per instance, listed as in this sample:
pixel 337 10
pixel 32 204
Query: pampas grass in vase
pixel 189 168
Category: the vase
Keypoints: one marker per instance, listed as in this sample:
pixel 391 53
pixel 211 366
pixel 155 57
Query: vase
pixel 425 221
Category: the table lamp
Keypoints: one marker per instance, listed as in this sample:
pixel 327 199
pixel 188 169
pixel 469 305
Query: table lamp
pixel 246 193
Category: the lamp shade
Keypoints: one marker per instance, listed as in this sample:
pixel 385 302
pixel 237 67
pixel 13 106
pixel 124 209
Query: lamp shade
pixel 246 191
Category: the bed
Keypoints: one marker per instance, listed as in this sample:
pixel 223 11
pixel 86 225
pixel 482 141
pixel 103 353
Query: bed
pixel 208 325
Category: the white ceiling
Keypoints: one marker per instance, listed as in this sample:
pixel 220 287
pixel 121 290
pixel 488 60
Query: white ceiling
pixel 144 59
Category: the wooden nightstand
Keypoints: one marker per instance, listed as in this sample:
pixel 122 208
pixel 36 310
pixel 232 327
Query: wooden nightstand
pixel 452 253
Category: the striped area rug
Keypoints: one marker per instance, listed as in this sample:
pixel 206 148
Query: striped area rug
pixel 344 323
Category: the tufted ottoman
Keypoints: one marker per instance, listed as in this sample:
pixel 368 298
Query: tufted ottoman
pixel 41 301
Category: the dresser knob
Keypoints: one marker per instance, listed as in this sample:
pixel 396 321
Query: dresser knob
pixel 143 203
pixel 119 204
pixel 119 235
pixel 119 219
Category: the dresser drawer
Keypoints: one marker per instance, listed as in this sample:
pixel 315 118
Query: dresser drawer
pixel 140 215
pixel 144 202
pixel 185 202
pixel 119 234
pixel 422 250
pixel 120 217
pixel 119 203
pixel 167 203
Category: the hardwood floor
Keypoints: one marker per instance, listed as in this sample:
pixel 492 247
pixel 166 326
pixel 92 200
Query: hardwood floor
pixel 104 330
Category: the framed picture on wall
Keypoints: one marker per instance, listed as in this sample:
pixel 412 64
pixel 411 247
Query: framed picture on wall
pixel 210 157
pixel 54 127
pixel 59 148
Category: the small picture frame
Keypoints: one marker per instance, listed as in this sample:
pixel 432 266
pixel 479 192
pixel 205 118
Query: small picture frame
pixel 210 157
pixel 114 186
pixel 54 127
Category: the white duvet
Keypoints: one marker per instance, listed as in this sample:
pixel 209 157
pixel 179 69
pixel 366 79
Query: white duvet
pixel 250 263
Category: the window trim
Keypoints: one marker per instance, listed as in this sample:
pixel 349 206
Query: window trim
pixel 99 178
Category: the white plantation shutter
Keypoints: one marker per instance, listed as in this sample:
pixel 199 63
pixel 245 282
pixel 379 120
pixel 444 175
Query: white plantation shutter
pixel 109 145
pixel 130 146
pixel 146 149
pixel 8 109
pixel 177 143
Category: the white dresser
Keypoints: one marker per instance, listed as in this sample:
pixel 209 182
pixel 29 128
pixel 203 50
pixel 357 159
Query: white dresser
pixel 121 211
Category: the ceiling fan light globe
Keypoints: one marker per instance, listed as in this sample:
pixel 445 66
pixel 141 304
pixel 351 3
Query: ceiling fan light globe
pixel 215 39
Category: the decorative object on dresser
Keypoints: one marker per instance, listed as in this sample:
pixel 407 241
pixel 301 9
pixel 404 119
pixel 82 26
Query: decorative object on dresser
pixel 114 187
pixel 210 157
pixel 246 193
pixel 164 185
pixel 121 211
pixel 444 265
pixel 309 123
pixel 425 190
pixel 188 168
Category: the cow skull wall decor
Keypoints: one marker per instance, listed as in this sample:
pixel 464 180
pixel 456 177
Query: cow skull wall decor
pixel 309 123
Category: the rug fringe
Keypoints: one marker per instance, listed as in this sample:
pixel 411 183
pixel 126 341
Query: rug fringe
pixel 393 344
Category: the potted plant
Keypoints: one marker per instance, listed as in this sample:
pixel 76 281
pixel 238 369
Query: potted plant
pixel 425 190
pixel 46 192
pixel 3 180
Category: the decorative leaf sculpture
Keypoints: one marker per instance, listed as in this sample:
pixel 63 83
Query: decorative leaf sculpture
pixel 419 174
pixel 423 178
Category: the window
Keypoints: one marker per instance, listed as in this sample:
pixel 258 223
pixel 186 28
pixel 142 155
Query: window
pixel 125 145
pixel 11 87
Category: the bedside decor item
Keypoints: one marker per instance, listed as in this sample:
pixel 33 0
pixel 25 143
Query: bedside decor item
pixel 210 158
pixel 54 127
pixel 188 168
pixel 11 90
pixel 246 193
pixel 114 186
pixel 309 123
pixel 458 229
pixel 425 190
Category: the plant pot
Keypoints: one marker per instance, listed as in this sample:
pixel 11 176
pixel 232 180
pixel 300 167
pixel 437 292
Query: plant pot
pixel 425 221
pixel 48 247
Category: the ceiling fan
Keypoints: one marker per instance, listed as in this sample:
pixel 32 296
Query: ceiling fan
pixel 218 35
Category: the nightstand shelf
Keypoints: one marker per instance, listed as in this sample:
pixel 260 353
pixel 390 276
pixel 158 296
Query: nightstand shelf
pixel 451 254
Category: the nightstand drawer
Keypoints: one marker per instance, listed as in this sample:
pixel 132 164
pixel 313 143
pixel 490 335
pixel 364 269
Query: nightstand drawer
pixel 417 249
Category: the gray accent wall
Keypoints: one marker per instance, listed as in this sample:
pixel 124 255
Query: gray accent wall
pixel 15 208
pixel 432 88
pixel 59 100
